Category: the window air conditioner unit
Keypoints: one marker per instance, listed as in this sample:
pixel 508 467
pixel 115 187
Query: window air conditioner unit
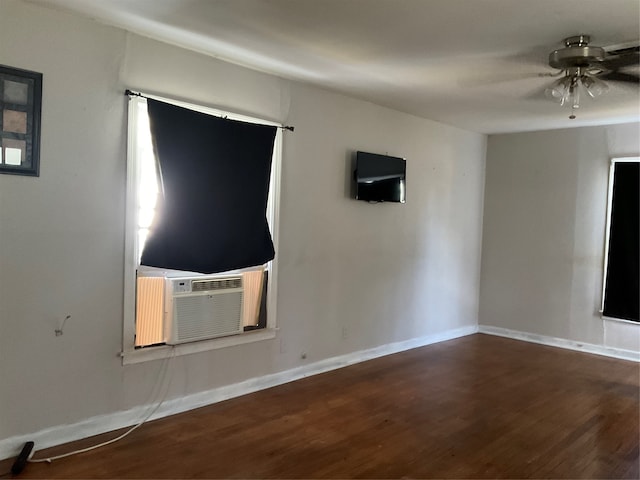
pixel 198 308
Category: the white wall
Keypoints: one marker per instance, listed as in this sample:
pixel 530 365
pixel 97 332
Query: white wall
pixel 380 273
pixel 544 229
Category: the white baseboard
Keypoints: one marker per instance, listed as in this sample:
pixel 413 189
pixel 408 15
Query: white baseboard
pixel 60 434
pixel 561 342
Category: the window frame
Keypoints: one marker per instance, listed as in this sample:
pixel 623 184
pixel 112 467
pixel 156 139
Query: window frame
pixel 607 232
pixel 129 353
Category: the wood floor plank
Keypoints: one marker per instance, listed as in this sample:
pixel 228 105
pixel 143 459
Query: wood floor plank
pixel 474 407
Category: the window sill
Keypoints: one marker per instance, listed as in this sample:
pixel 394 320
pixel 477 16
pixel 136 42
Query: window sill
pixel 163 351
pixel 622 320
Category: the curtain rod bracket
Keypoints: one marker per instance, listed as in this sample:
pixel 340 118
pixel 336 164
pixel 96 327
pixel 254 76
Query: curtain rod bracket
pixel 133 94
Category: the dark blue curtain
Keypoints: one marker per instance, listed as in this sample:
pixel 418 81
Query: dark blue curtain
pixel 214 176
pixel 622 284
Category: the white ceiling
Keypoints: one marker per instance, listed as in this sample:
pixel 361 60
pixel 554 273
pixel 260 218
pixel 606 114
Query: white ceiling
pixel 468 63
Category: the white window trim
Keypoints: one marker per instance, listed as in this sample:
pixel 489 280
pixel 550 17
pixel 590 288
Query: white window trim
pixel 129 353
pixel 612 168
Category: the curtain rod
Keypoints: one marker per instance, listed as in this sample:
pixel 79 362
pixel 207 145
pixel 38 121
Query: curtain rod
pixel 131 93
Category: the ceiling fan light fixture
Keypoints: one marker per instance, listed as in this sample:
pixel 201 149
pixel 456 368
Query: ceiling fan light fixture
pixel 573 95
pixel 582 64
pixel 594 86
pixel 557 91
pixel 567 91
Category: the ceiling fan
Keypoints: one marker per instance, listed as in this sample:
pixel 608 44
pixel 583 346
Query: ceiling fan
pixel 584 69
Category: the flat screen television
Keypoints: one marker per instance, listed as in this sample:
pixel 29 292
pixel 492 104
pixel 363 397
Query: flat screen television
pixel 380 178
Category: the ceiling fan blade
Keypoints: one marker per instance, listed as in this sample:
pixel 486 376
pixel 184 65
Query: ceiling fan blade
pixel 539 93
pixel 620 77
pixel 615 62
pixel 482 80
pixel 490 70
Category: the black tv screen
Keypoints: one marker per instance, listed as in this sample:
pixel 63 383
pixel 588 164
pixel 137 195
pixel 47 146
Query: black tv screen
pixel 380 178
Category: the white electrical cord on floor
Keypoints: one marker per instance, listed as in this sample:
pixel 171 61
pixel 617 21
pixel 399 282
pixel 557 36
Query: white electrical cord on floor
pixel 161 378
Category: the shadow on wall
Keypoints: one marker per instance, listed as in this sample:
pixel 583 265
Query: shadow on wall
pixel 349 182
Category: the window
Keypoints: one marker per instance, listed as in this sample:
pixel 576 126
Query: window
pixel 151 297
pixel 621 269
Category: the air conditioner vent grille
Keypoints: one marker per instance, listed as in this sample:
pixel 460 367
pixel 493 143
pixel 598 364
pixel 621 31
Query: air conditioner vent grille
pixel 216 284
pixel 207 316
pixel 200 308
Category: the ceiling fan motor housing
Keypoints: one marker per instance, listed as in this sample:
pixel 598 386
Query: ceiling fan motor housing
pixel 577 53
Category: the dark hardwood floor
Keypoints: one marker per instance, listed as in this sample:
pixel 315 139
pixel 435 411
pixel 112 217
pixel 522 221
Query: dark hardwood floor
pixel 474 407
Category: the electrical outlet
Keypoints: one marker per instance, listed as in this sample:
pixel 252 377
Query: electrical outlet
pixel 344 333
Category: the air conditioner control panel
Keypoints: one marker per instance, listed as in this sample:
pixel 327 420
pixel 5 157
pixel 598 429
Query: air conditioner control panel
pixel 181 286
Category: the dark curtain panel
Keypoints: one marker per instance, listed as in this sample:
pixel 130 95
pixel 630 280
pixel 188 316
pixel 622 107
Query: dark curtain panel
pixel 214 176
pixel 621 293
